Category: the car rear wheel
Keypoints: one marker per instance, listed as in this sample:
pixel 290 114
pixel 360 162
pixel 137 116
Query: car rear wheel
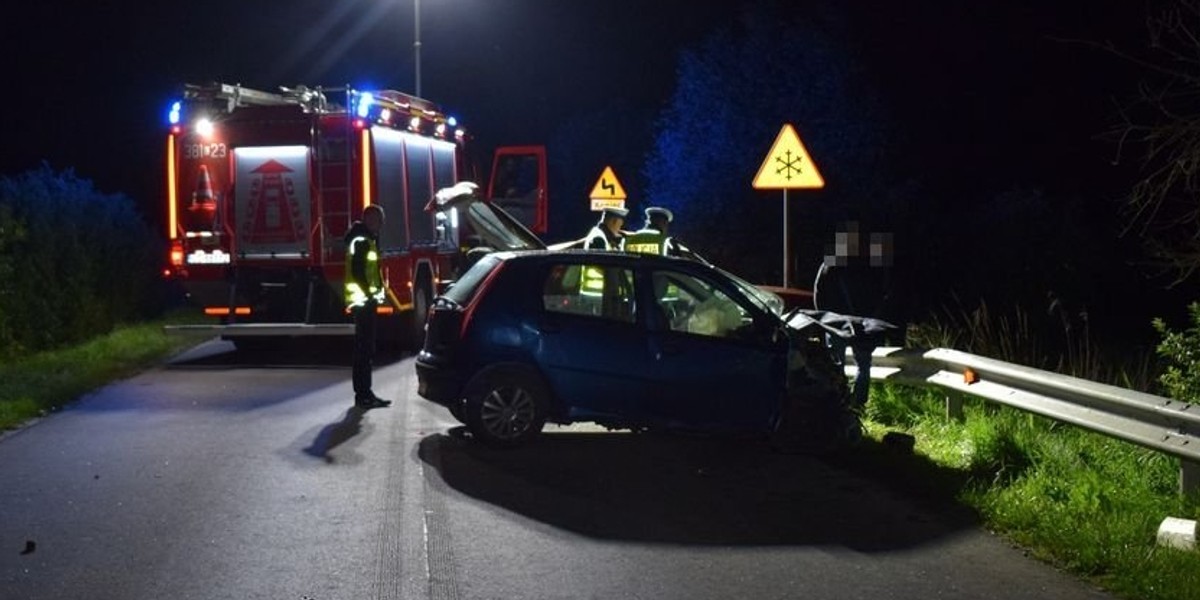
pixel 506 406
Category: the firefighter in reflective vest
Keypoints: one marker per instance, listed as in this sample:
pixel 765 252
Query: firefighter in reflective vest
pixel 364 292
pixel 651 238
pixel 606 235
pixel 654 238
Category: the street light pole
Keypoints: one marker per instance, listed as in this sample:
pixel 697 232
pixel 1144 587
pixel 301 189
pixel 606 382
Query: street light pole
pixel 417 41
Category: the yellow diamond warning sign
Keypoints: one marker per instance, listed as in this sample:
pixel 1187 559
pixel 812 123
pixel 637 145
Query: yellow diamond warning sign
pixel 608 192
pixel 788 165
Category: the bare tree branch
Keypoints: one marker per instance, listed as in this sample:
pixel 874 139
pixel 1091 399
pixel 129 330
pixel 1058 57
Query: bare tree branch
pixel 1160 127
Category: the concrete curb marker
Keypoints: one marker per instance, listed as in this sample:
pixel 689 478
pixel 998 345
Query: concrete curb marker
pixel 1177 533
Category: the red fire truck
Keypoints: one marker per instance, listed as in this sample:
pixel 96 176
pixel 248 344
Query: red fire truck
pixel 262 186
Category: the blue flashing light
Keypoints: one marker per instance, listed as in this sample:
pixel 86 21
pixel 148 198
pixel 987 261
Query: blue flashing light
pixel 364 104
pixel 173 116
pixel 451 121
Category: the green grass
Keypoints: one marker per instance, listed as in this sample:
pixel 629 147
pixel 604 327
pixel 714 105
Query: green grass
pixel 33 386
pixel 1079 500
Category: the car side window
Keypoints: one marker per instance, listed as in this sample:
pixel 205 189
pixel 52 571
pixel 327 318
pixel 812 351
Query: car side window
pixel 590 290
pixel 691 305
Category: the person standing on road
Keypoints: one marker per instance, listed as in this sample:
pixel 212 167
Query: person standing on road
pixel 606 235
pixel 364 293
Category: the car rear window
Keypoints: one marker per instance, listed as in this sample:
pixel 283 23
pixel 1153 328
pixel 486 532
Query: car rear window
pixel 464 289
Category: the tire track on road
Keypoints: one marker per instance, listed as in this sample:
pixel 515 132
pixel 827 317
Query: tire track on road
pixel 416 550
pixel 392 565
pixel 439 545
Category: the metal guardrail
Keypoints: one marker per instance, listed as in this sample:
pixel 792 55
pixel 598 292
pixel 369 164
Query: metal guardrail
pixel 1151 421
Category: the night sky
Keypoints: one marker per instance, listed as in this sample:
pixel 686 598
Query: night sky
pixel 89 86
pixel 989 91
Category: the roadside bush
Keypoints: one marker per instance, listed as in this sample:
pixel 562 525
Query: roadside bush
pixel 73 261
pixel 1181 350
pixel 11 232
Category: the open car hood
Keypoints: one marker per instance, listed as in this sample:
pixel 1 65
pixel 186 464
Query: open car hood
pixel 499 230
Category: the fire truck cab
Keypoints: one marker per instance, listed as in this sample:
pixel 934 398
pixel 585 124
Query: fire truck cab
pixel 262 187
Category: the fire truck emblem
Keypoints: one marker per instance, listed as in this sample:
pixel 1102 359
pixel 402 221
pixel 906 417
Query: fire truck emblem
pixel 273 215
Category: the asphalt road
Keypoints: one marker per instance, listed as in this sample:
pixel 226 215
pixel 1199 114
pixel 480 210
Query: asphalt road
pixel 226 475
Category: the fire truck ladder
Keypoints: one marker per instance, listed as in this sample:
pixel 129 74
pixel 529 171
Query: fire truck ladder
pixel 234 95
pixel 332 153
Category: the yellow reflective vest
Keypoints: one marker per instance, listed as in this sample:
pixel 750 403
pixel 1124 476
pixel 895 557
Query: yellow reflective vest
pixel 647 241
pixel 364 282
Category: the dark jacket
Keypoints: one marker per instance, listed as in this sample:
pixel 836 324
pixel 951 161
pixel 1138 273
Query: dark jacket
pixel 855 288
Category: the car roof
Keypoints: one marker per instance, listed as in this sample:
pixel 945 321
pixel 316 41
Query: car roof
pixel 606 257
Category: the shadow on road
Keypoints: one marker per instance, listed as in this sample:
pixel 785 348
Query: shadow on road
pixel 681 490
pixel 333 435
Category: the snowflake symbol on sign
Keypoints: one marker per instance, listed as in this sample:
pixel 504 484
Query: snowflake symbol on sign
pixel 788 164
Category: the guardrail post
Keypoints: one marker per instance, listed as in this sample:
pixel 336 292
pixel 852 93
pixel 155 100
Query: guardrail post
pixel 954 408
pixel 1189 477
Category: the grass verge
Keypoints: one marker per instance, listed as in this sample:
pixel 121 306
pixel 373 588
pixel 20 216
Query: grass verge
pixel 1079 500
pixel 35 385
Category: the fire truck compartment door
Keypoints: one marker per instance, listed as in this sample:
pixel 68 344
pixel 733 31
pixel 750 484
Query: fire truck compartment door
pixel 272 203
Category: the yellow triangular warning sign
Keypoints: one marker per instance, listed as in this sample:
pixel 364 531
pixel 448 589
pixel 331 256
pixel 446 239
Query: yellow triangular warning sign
pixel 788 165
pixel 607 187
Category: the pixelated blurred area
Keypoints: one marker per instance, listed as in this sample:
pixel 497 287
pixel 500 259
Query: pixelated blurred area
pixel 851 244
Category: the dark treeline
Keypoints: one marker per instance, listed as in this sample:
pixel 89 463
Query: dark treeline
pixel 74 261
pixel 979 138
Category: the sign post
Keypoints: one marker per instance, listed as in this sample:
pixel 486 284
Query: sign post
pixel 607 193
pixel 788 166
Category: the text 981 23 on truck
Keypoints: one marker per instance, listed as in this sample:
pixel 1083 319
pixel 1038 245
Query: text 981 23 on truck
pixel 262 186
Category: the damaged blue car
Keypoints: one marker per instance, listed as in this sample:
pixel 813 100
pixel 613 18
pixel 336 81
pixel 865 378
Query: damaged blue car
pixel 530 335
